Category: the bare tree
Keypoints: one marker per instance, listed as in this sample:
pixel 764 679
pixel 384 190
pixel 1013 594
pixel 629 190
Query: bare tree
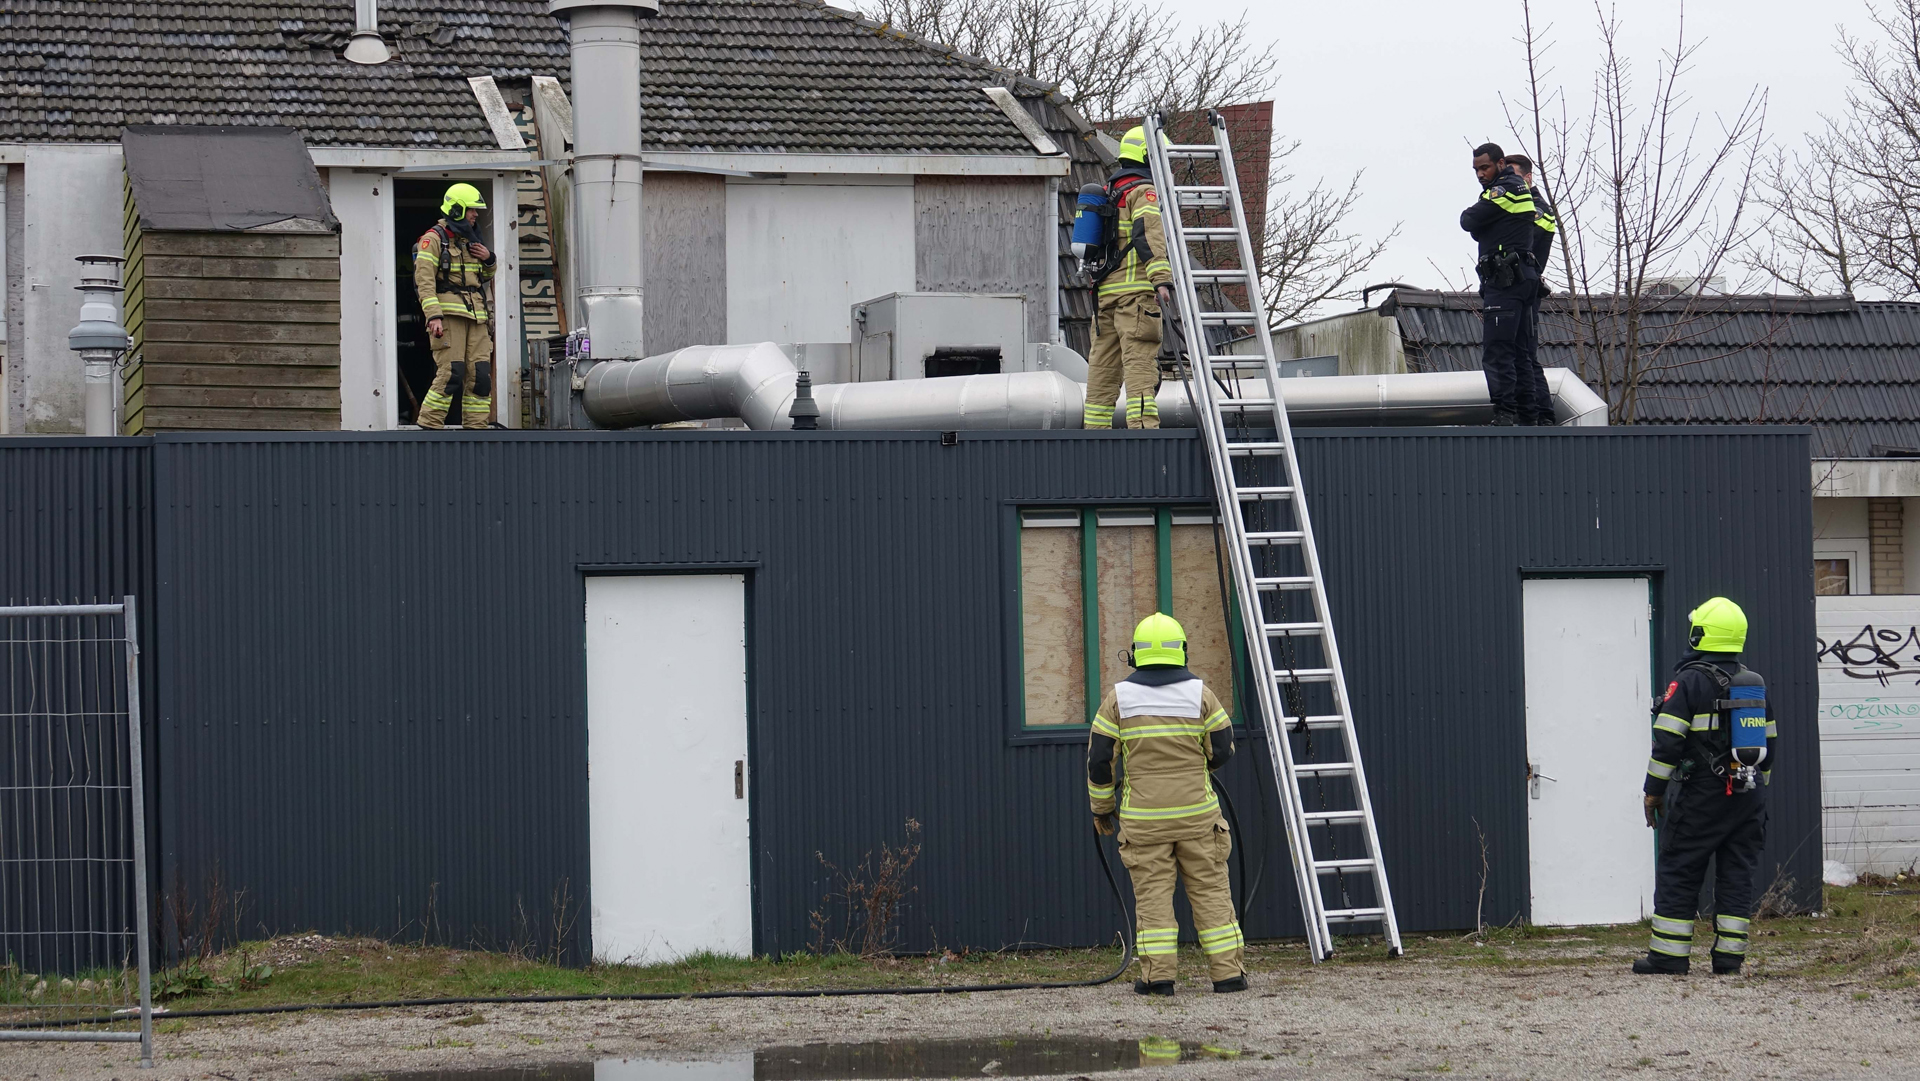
pixel 1651 207
pixel 1113 59
pixel 1846 211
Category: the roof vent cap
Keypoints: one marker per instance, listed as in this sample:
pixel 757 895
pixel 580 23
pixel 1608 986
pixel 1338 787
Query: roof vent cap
pixel 367 46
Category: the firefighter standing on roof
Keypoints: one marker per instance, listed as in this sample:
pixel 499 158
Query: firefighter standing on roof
pixel 1718 755
pixel 452 271
pixel 1126 329
pixel 1169 733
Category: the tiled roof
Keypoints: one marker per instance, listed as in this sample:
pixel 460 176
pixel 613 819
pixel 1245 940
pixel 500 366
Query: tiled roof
pixel 1849 368
pixel 789 76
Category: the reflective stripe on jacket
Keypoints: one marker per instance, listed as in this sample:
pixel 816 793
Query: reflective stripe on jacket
pixel 448 279
pixel 1160 738
pixel 1139 209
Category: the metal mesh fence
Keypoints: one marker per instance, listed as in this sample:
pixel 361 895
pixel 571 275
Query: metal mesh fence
pixel 73 885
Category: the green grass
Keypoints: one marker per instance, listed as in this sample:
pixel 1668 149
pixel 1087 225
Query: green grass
pixel 1864 940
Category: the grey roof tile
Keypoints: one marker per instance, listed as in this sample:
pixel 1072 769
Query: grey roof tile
pixel 1851 369
pixel 791 76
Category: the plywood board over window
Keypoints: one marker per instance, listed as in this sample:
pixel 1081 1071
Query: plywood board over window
pixel 1051 620
pixel 1196 603
pixel 1129 584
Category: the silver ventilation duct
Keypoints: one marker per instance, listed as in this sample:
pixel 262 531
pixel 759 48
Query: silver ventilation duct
pixel 755 383
pixel 607 230
pixel 367 46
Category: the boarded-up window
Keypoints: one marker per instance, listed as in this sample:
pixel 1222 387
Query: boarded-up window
pixel 1053 639
pixel 1196 604
pixel 1129 577
pixel 1129 584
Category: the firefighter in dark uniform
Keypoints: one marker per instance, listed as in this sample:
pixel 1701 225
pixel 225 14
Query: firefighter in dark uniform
pixel 1502 223
pixel 1535 404
pixel 1713 746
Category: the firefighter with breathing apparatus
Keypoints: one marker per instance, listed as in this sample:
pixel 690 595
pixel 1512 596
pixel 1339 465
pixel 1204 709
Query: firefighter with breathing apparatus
pixel 1123 248
pixel 1713 748
pixel 1169 733
pixel 452 272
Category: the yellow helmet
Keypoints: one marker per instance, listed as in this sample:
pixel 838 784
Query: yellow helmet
pixel 1719 626
pixel 1159 639
pixel 464 196
pixel 1133 145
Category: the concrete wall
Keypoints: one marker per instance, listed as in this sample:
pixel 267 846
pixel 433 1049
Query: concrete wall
pixel 801 251
pixel 1366 342
pixel 70 198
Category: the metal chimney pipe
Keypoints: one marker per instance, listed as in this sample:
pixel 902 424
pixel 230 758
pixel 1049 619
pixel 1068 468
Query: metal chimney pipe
pixel 605 36
pixel 367 46
pixel 100 338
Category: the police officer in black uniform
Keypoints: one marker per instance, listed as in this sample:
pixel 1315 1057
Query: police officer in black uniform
pixel 1535 404
pixel 1720 809
pixel 1502 222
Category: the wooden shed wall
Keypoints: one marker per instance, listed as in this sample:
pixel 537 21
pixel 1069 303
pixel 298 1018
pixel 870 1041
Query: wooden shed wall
pixel 232 331
pixel 983 235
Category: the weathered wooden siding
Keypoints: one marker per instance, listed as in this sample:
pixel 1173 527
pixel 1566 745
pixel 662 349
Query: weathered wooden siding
pixel 132 383
pixel 686 260
pixel 983 235
pixel 234 331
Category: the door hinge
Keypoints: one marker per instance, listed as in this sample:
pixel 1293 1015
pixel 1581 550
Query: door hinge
pixel 739 778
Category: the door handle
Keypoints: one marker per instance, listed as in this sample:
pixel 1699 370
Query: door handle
pixel 739 778
pixel 1534 777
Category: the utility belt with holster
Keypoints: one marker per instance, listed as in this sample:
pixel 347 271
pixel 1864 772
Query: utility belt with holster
pixel 1501 269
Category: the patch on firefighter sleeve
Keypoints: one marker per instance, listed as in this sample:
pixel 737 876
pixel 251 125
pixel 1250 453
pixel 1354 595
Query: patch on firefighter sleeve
pixel 1150 196
pixel 426 243
pixel 1672 689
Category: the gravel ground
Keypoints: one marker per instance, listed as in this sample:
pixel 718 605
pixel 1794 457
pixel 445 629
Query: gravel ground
pixel 1405 1019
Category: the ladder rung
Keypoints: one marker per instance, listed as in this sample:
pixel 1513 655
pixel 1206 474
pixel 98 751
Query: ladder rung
pixel 1319 723
pixel 1249 405
pixel 1192 148
pixel 1278 537
pixel 1255 450
pixel 1264 492
pixel 1324 769
pixel 1230 274
pixel 1315 818
pixel 1327 867
pixel 1305 675
pixel 1354 915
pixel 1292 630
pixel 1228 318
pixel 1201 189
pixel 1209 232
pixel 1238 358
pixel 1284 582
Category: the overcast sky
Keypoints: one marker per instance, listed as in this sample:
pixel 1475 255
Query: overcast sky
pixel 1403 89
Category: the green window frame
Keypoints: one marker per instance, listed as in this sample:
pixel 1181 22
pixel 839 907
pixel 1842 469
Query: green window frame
pixel 1094 671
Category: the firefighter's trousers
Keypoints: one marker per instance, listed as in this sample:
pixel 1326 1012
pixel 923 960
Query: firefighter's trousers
pixel 461 360
pixel 1704 822
pixel 1126 343
pixel 1200 862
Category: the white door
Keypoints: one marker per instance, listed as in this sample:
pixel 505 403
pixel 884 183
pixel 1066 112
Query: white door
pixel 1590 853
pixel 666 766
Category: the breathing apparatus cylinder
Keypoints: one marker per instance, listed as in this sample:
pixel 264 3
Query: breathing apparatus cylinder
pixel 1089 228
pixel 1747 730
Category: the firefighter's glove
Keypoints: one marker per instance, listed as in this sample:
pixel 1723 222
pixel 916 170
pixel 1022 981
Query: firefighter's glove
pixel 1103 825
pixel 1653 805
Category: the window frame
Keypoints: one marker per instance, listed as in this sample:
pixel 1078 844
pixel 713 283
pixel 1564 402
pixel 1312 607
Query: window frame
pixel 1858 553
pixel 1090 513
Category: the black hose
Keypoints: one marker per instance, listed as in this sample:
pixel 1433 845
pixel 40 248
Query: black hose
pixel 1106 867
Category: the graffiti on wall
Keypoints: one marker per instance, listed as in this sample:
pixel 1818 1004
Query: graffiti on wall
pixel 1852 656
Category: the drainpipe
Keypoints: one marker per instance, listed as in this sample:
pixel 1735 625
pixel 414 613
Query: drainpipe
pixel 367 46
pixel 605 37
pixel 99 339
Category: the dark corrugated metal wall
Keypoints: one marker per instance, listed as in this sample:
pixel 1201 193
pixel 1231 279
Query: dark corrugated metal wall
pixel 372 680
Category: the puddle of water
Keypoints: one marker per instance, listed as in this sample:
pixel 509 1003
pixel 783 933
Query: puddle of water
pixel 1018 1056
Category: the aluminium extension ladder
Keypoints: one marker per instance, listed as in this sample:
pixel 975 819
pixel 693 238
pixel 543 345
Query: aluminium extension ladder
pixel 1269 539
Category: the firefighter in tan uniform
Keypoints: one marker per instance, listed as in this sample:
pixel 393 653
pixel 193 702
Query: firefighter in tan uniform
pixel 452 271
pixel 1168 732
pixel 1126 328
